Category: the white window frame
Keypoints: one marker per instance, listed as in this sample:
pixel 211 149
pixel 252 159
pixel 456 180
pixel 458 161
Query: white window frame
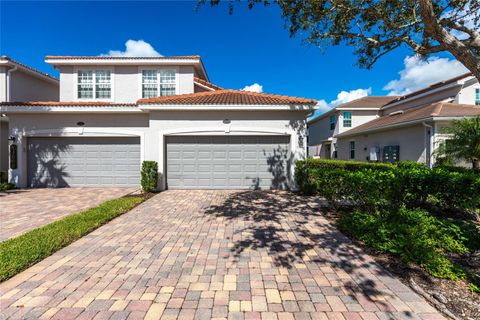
pixel 93 69
pixel 351 119
pixel 158 69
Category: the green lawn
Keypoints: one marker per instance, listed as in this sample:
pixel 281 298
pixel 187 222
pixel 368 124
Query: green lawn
pixel 19 253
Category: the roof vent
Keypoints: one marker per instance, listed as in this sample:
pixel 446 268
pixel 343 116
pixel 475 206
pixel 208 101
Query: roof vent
pixel 396 113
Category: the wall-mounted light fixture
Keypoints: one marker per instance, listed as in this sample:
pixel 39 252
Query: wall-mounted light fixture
pixel 80 123
pixel 227 121
pixel 11 138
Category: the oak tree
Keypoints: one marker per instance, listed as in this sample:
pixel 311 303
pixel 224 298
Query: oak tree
pixel 377 27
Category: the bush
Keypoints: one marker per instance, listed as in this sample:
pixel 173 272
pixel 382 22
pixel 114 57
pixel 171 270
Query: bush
pixel 4 186
pixel 414 235
pixel 378 185
pixel 3 177
pixel 149 176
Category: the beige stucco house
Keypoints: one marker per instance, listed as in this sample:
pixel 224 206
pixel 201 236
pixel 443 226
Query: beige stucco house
pixel 19 82
pixel 410 127
pixel 323 130
pixel 115 112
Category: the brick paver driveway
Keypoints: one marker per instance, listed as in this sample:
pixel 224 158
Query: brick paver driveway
pixel 27 209
pixel 213 254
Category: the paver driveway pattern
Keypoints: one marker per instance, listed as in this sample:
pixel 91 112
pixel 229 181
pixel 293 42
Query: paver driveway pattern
pixel 213 254
pixel 27 209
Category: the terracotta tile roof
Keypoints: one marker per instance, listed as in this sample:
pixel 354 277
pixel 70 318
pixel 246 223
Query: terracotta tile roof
pixel 122 58
pixel 227 97
pixel 430 87
pixel 62 103
pixel 416 114
pixel 207 84
pixel 6 58
pixel 368 102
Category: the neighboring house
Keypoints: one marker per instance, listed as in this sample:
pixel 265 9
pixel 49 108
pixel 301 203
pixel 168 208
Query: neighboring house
pixel 19 82
pixel 322 130
pixel 410 127
pixel 115 112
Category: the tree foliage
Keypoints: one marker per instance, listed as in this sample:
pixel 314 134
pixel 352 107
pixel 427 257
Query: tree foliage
pixel 464 142
pixel 376 27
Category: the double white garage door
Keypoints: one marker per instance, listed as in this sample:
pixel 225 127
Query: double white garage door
pixel 192 162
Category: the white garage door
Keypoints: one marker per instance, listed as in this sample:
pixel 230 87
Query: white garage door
pixel 85 161
pixel 233 162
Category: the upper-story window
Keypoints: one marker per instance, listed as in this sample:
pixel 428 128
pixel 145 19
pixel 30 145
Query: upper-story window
pixel 158 83
pixel 477 96
pixel 332 122
pixel 94 84
pixel 347 119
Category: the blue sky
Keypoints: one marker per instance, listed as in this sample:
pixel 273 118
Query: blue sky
pixel 250 46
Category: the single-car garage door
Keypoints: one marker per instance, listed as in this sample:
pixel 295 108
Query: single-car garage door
pixel 83 161
pixel 233 162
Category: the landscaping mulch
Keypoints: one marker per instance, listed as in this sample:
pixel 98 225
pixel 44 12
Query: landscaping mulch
pixel 455 296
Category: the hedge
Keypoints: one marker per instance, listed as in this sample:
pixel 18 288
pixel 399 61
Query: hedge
pixel 378 185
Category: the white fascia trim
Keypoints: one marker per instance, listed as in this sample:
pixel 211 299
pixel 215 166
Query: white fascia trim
pixel 397 125
pixel 254 107
pixel 203 86
pixel 427 93
pixel 122 61
pixel 30 71
pixel 70 109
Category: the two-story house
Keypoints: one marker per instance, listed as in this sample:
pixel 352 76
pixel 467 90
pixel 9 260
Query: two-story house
pixel 410 127
pixel 19 82
pixel 322 130
pixel 115 112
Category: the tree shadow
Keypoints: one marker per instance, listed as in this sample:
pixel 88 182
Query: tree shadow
pixel 45 168
pixel 291 229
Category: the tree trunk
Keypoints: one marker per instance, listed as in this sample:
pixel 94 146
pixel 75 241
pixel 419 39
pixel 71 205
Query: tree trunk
pixel 433 29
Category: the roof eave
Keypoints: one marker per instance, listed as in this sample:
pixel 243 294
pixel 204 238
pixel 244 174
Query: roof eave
pixel 239 107
pixel 30 71
pixel 383 128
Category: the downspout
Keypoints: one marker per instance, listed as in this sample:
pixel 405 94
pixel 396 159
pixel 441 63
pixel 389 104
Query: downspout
pixel 7 87
pixel 429 142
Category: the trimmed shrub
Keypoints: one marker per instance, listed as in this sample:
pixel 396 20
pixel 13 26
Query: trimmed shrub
pixel 149 176
pixel 379 186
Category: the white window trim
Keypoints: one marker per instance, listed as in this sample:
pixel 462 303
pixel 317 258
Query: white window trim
pixel 351 119
pixel 94 69
pixel 142 68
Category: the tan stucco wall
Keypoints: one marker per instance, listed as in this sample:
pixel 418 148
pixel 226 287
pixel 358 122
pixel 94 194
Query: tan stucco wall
pixel 320 131
pixel 467 94
pixel 410 139
pixel 25 87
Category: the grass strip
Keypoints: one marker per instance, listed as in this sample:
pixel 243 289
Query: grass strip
pixel 19 253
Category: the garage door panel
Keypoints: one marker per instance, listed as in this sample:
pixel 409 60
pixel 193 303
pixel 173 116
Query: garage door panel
pixel 85 161
pixel 234 162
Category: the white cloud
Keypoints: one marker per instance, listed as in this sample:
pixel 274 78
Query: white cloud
pixel 253 88
pixel 418 73
pixel 347 96
pixel 342 97
pixel 134 48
